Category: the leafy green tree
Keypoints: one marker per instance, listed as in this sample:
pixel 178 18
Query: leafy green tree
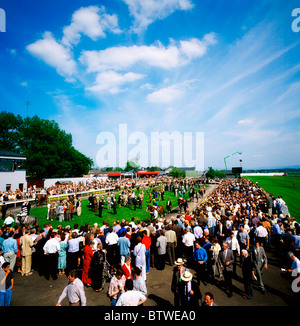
pixel 177 173
pixel 48 149
pixel 9 131
pixel 211 173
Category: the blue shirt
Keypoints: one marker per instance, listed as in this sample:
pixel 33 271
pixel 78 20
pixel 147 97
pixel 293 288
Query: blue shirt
pixel 276 229
pixel 200 255
pixel 296 241
pixel 9 244
pixel 124 245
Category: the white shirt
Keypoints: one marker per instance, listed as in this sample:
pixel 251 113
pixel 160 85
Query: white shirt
pixel 51 246
pixel 188 239
pixel 112 238
pixel 131 298
pixel 233 244
pixel 261 231
pixel 198 232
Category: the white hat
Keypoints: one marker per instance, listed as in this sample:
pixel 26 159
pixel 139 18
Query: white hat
pixel 186 276
pixel 179 261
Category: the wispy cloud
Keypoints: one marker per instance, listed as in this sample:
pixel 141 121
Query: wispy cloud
pixel 111 81
pixel 146 12
pixel 159 56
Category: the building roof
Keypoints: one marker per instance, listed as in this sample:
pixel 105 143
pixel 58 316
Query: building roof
pixel 12 155
pixel 147 173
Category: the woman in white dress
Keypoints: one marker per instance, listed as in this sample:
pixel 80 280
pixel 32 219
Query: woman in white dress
pixel 139 252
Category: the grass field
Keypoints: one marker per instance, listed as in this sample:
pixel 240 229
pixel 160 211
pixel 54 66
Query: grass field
pixel 90 217
pixel 282 186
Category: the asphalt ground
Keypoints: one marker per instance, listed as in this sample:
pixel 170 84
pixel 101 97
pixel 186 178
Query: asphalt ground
pixel 36 291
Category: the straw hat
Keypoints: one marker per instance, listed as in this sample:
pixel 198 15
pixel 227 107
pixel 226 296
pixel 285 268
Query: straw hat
pixel 186 276
pixel 179 261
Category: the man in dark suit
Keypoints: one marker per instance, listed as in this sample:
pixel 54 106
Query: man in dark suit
pixel 226 260
pixel 247 270
pixel 101 205
pixel 178 271
pixel 221 232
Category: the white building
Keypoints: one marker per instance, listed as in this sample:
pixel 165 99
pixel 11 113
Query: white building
pixel 12 175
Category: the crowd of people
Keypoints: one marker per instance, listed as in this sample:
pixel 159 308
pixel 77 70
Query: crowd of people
pixel 229 232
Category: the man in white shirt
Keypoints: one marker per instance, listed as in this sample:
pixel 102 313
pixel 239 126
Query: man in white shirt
pixel 188 242
pixel 51 249
pixel 131 297
pixel 198 232
pixel 233 244
pixel 112 247
pixel 261 234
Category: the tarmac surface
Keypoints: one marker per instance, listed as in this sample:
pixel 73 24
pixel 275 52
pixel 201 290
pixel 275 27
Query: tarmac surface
pixel 35 290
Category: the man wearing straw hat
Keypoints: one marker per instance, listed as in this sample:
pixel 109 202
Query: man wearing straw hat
pixel 178 271
pixel 189 292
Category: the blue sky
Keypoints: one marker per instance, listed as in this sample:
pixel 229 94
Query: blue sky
pixel 226 69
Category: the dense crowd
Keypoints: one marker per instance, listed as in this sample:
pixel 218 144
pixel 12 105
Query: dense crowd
pixel 79 186
pixel 231 229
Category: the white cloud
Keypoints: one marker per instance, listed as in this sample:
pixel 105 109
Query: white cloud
pixel 54 55
pixel 146 12
pixel 122 57
pixel 166 95
pixel 90 21
pixel 246 122
pixel 111 81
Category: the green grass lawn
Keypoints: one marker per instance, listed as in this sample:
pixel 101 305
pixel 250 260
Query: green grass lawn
pixel 282 186
pixel 88 216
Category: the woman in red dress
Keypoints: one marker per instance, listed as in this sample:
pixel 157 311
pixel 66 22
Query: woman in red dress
pixel 86 261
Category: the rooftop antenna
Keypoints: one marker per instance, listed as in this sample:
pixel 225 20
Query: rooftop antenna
pixel 27 105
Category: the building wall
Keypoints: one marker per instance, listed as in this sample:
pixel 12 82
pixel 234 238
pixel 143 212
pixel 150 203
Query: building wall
pixel 14 179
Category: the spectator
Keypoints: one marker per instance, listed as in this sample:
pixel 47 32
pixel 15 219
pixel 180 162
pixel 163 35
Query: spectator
pixel 124 246
pixel 6 284
pixel 161 245
pixel 247 271
pixel 171 244
pixel 62 255
pixel 146 240
pixel 189 291
pixel 97 266
pixel 188 243
pixel 260 262
pixel 178 271
pixel 138 281
pixel 209 300
pixel 86 260
pixel 26 244
pixel 51 249
pixel 131 297
pixel 10 249
pixel 74 291
pixel 226 260
pixel 127 268
pixel 116 286
pixel 139 253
